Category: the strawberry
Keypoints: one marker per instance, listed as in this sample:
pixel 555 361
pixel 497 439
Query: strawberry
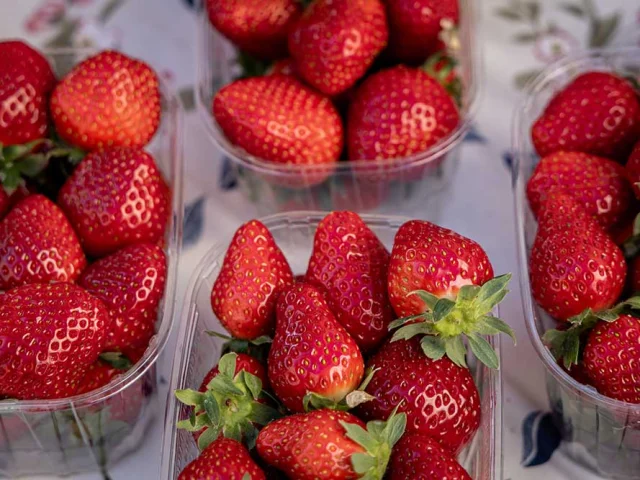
pixel 130 282
pixel 424 389
pixel 331 445
pixel 432 258
pixel 278 119
pixel 574 265
pixel 257 27
pixel 311 352
pixel 632 168
pixel 336 41
pixel 349 264
pixel 598 184
pixel 38 245
pixel 415 26
pixel 107 100
pixel 7 201
pixel 418 457
pixel 114 198
pixel 597 113
pixel 285 66
pixel 26 81
pixel 253 274
pixel 399 112
pixel 51 334
pixel 230 402
pixel 99 374
pixel 223 459
pixel 611 358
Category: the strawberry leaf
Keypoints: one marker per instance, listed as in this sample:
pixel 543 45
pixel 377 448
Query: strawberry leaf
pixel 357 397
pixel 254 384
pixel 491 294
pixel 443 308
pixel 223 385
pixel 189 397
pixel 410 331
pixel 428 298
pixel 227 365
pixel 483 351
pixel 263 414
pixel 209 436
pixel 403 321
pixel 211 408
pixel 498 325
pixel 116 360
pixel 454 348
pixel 433 347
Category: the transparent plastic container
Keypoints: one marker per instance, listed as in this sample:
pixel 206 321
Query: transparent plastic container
pixel 94 430
pixel 198 352
pixel 364 185
pixel 600 433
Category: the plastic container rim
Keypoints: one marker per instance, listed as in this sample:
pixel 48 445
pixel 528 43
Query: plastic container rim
pixel 174 246
pixel 239 156
pixel 533 87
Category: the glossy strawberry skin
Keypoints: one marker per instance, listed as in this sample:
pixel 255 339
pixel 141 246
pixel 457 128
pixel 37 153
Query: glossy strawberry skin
pixel 278 119
pixel 312 445
pixel 253 274
pixel 38 245
pixel 130 283
pixel 114 198
pixel 107 100
pixel 223 459
pixel 256 27
pixel 336 41
pixel 611 358
pixel 51 334
pixel 398 112
pixel 432 258
pixel 574 265
pixel 597 183
pixel 632 168
pixel 440 399
pixel 26 81
pixel 415 25
pixel 418 457
pixel 597 113
pixel 97 376
pixel 349 264
pixel 311 351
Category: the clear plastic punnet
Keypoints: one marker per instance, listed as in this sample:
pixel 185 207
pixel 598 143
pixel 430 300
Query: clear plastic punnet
pixel 599 432
pixel 381 186
pixel 198 352
pixel 93 431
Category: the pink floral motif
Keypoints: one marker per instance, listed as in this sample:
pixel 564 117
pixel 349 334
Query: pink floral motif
pixel 49 12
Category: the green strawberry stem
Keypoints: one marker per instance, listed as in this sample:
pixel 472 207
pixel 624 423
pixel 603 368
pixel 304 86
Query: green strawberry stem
pixel 447 322
pixel 231 406
pixel 315 401
pixel 258 348
pixel 631 247
pixel 117 360
pixel 251 66
pixel 378 440
pixel 565 345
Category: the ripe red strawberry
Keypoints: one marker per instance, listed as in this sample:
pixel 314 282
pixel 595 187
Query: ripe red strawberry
pixel 440 398
pixel 598 184
pixel 107 100
pixel 349 264
pixel 286 66
pixel 26 81
pixel 51 334
pixel 415 26
pixel 398 112
pixel 253 274
pixel 235 386
pixel 257 27
pixel 311 351
pixel 418 457
pixel 223 459
pixel 97 376
pixel 632 168
pixel 611 358
pixel 8 201
pixel 336 41
pixel 130 282
pixel 114 198
pixel 574 265
pixel 38 245
pixel 597 113
pixel 278 119
pixel 331 445
pixel 435 259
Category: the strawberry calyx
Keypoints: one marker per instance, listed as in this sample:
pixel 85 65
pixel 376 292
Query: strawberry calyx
pixel 447 322
pixel 258 348
pixel 444 68
pixel 566 345
pixel 315 401
pixel 116 360
pixel 378 440
pixel 231 406
pixel 251 66
pixel 631 246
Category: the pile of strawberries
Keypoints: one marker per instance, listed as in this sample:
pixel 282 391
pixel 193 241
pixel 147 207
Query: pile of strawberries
pixel 363 335
pixel 374 75
pixel 584 264
pixel 83 213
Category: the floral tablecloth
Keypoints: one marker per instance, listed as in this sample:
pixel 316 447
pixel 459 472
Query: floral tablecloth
pixel 518 38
